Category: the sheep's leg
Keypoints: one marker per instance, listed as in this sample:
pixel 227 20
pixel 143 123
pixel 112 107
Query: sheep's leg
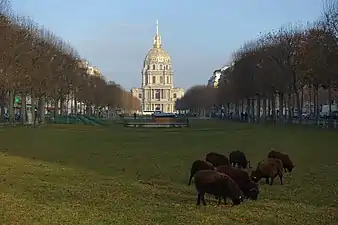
pixel 203 199
pixel 190 179
pixel 219 200
pixel 198 199
pixel 225 200
pixel 272 178
pixel 281 178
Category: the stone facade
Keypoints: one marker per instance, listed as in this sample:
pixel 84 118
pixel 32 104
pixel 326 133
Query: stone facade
pixel 157 90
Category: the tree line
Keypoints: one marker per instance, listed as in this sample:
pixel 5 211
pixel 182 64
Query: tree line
pixel 273 75
pixel 35 62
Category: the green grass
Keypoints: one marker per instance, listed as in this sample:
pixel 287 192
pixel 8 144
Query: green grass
pixel 64 174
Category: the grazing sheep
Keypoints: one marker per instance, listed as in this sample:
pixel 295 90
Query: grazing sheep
pixel 242 178
pixel 218 184
pixel 199 165
pixel 268 168
pixel 217 159
pixel 287 163
pixel 238 158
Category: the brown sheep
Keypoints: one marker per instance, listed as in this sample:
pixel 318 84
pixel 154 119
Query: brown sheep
pixel 199 165
pixel 242 178
pixel 217 159
pixel 287 163
pixel 218 184
pixel 268 168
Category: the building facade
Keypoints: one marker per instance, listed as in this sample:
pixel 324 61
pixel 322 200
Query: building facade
pixel 216 76
pixel 157 92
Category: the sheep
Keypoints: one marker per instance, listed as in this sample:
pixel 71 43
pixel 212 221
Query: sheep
pixel 242 178
pixel 218 184
pixel 238 158
pixel 287 163
pixel 217 159
pixel 199 165
pixel 268 168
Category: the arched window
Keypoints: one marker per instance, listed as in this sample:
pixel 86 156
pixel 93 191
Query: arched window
pixel 154 79
pixel 161 67
pixel 153 67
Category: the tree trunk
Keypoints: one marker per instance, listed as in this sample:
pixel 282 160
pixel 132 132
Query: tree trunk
pixel 23 109
pixel 2 106
pixel 33 104
pixel 11 107
pixel 42 104
pixel 316 103
pixel 62 106
pixel 299 109
pixel 289 107
pixel 258 109
pixel 329 92
pixel 253 110
pixel 264 109
pixel 248 109
pixel 302 100
pixel 237 109
pixel 75 106
pixel 242 106
pixel 281 107
pixel 273 107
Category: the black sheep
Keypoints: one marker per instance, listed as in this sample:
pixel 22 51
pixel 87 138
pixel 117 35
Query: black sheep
pixel 217 159
pixel 238 158
pixel 242 178
pixel 268 168
pixel 218 184
pixel 199 165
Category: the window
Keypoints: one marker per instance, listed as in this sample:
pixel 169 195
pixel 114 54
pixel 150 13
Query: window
pixel 161 79
pixel 168 79
pixel 154 79
pixel 175 96
pixel 161 67
pixel 167 67
pixel 146 79
pixel 153 67
pixel 140 95
pixel 157 94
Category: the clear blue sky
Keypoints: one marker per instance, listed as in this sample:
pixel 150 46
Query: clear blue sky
pixel 200 35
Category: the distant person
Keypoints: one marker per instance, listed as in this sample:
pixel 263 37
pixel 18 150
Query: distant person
pixel 135 116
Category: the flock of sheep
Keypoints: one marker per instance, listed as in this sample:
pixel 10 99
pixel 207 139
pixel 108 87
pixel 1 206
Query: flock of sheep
pixel 225 177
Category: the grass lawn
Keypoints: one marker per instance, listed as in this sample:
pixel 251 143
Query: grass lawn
pixel 65 174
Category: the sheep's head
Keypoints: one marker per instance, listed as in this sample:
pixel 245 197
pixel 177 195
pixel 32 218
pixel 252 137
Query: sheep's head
pixel 290 168
pixel 253 193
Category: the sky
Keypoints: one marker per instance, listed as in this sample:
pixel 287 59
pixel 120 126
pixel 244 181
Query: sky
pixel 200 36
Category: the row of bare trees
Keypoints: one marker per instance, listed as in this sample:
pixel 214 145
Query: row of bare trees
pixel 271 75
pixel 37 64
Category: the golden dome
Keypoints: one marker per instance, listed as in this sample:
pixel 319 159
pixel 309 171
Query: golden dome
pixel 157 54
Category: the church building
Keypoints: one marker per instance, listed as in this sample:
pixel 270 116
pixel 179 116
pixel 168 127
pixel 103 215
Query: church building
pixel 157 92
